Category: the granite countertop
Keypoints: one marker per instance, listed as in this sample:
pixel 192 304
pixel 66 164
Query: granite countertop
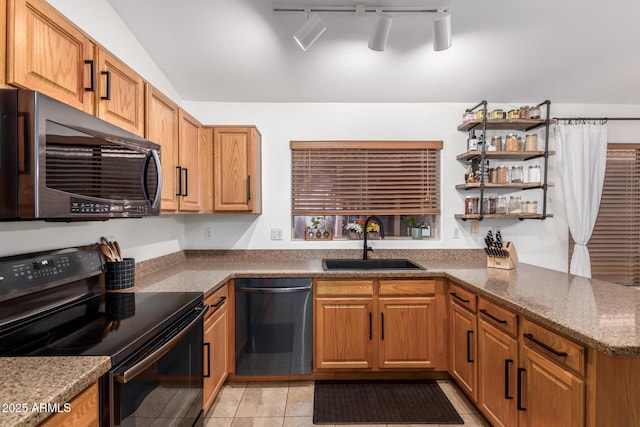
pixel 598 314
pixel 601 315
pixel 28 382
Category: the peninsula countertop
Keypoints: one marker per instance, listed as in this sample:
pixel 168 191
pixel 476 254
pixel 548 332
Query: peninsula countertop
pixel 598 314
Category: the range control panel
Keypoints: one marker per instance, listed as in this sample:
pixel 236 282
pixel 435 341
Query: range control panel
pixel 19 274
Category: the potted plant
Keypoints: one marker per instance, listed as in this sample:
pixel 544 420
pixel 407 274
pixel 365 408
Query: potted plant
pixel 356 232
pixel 318 229
pixel 414 229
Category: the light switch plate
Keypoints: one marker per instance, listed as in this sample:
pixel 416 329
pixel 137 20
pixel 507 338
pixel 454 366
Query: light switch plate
pixel 276 234
pixel 475 227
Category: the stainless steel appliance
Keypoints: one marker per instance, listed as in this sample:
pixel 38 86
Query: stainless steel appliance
pixel 60 163
pixel 274 333
pixel 51 304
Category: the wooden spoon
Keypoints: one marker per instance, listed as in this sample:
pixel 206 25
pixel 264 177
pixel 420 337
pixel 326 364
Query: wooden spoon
pixel 116 250
pixel 107 252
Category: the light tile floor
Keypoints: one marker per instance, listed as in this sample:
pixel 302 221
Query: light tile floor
pixel 290 404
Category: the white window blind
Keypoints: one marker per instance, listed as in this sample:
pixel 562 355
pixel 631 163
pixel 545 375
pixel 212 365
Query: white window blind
pixel 365 177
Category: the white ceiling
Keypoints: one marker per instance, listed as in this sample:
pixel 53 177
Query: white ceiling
pixel 569 51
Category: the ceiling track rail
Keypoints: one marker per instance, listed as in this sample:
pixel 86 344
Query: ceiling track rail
pixel 355 9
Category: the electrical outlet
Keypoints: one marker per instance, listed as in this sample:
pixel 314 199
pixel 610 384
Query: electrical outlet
pixel 208 233
pixel 456 232
pixel 475 227
pixel 276 234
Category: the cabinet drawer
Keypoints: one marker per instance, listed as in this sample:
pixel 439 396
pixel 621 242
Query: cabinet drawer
pixel 462 297
pixel 407 287
pixel 352 288
pixel 84 411
pixel 499 317
pixel 553 346
pixel 217 299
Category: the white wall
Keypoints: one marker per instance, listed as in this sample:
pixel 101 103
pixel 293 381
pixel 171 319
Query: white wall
pixel 538 242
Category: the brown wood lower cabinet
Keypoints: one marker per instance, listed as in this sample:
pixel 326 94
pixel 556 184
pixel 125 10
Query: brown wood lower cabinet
pixel 551 396
pixel 371 325
pixel 497 368
pixel 84 411
pixel 463 348
pixel 216 340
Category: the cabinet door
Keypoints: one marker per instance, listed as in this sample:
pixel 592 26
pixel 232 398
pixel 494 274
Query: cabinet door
pixel 45 52
pixel 84 411
pixel 237 169
pixel 497 367
pixel 344 333
pixel 463 349
pixel 120 93
pixel 407 332
pixel 551 396
pixel 162 128
pixel 215 355
pixel 190 151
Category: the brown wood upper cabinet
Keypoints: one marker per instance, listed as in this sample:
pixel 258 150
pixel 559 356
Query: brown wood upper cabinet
pixel 237 169
pixel 188 172
pixel 47 53
pixel 162 128
pixel 119 93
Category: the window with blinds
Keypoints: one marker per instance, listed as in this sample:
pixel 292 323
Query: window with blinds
pixel 615 244
pixel 365 177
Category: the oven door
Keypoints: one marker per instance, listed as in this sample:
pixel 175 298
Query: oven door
pixel 162 383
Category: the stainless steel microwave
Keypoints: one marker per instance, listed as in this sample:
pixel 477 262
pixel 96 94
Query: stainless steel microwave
pixel 60 163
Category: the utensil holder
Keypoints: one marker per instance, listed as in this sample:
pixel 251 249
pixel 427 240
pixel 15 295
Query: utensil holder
pixel 120 275
pixel 507 262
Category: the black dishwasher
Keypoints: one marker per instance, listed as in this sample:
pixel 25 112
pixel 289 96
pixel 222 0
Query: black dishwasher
pixel 274 332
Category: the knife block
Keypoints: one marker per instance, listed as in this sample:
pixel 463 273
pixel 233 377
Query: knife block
pixel 504 263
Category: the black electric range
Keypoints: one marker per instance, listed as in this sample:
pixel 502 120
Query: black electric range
pixel 52 303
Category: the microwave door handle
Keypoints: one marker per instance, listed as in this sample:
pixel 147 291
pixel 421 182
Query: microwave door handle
pixel 135 370
pixel 155 202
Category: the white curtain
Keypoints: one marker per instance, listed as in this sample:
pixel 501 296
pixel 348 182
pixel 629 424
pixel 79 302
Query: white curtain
pixel 582 160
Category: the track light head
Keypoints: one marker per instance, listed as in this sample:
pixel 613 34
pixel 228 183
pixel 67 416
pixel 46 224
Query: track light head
pixel 442 33
pixel 310 31
pixel 380 33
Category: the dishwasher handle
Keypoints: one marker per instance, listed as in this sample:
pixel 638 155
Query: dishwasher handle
pixel 284 290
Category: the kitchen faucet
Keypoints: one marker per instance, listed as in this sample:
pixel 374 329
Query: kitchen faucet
pixel 366 248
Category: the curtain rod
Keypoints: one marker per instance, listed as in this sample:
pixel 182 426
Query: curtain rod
pixel 597 118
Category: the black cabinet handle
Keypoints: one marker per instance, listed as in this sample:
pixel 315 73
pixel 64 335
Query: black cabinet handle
pixel 186 182
pixel 490 316
pixel 453 294
pixel 546 347
pixel 382 320
pixel 370 326
pixel 208 364
pixel 92 73
pixel 179 186
pixel 219 303
pixel 507 362
pixel 248 188
pixel 520 372
pixel 107 74
pixel 469 359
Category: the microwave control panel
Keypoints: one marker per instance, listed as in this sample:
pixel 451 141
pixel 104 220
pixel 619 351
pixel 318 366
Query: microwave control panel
pixel 89 207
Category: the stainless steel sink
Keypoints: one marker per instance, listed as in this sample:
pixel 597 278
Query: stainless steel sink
pixel 369 264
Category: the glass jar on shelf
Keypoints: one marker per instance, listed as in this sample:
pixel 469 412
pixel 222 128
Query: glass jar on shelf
pixel 501 205
pixel 515 205
pixel 502 175
pixel 517 174
pixel 534 174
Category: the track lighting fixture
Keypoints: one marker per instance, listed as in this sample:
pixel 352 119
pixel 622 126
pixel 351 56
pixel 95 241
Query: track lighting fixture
pixel 310 31
pixel 314 27
pixel 442 33
pixel 380 33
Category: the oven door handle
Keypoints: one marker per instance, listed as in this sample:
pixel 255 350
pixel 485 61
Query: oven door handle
pixel 133 371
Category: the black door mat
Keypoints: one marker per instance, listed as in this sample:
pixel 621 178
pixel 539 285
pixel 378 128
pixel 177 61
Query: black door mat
pixel 382 402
